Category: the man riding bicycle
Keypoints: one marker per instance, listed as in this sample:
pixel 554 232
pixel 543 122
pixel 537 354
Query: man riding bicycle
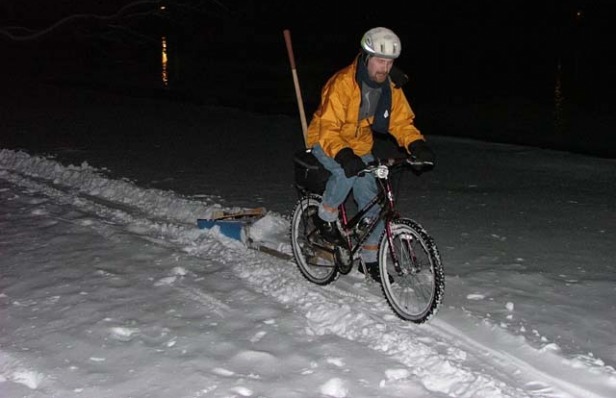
pixel 358 101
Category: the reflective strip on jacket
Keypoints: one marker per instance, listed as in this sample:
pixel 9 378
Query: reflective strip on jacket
pixel 335 123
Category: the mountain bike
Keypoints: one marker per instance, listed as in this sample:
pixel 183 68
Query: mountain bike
pixel 410 267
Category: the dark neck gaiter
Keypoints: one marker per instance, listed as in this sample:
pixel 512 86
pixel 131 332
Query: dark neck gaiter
pixel 383 108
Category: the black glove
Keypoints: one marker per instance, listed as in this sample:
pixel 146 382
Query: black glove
pixel 350 162
pixel 421 152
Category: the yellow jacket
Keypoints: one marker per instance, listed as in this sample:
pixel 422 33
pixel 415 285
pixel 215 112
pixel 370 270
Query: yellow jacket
pixel 336 125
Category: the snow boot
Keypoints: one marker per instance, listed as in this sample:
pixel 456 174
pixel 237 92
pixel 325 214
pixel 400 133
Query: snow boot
pixel 328 231
pixel 373 271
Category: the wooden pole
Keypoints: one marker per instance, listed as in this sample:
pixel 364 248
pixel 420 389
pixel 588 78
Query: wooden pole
pixel 298 94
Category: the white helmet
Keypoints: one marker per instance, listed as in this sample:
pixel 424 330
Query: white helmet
pixel 381 42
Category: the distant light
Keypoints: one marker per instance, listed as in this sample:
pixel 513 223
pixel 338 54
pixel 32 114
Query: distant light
pixel 164 70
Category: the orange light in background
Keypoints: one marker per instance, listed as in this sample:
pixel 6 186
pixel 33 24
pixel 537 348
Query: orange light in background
pixel 164 71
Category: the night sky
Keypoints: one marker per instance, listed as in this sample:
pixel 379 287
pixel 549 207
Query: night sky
pixel 472 61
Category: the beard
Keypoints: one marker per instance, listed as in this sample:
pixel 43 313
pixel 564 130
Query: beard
pixel 379 77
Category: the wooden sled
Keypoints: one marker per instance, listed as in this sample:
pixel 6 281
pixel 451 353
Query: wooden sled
pixel 232 223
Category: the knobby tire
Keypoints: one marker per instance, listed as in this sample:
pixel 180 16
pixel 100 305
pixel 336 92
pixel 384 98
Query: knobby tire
pixel 315 265
pixel 416 291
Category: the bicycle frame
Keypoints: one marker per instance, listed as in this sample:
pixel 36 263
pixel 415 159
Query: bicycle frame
pixel 384 199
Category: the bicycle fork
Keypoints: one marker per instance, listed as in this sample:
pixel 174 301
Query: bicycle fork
pixel 407 241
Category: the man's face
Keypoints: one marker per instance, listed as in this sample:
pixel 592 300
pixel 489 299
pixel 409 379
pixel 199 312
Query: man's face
pixel 378 68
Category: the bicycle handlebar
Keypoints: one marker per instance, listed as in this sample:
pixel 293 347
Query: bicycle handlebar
pixel 417 165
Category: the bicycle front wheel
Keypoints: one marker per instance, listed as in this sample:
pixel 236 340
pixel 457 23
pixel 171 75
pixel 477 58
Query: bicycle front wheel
pixel 314 261
pixel 414 288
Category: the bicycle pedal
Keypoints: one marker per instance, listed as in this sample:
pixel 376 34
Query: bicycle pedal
pixel 344 261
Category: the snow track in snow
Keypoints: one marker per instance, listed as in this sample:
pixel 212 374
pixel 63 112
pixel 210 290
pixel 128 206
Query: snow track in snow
pixel 350 308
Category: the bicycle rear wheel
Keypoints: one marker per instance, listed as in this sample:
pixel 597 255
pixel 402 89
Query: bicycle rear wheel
pixel 414 291
pixel 315 261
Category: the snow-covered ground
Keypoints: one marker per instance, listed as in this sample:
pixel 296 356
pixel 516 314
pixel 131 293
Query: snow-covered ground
pixel 109 289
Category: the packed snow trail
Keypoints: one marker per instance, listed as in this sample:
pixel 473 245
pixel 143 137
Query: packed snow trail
pixel 443 354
